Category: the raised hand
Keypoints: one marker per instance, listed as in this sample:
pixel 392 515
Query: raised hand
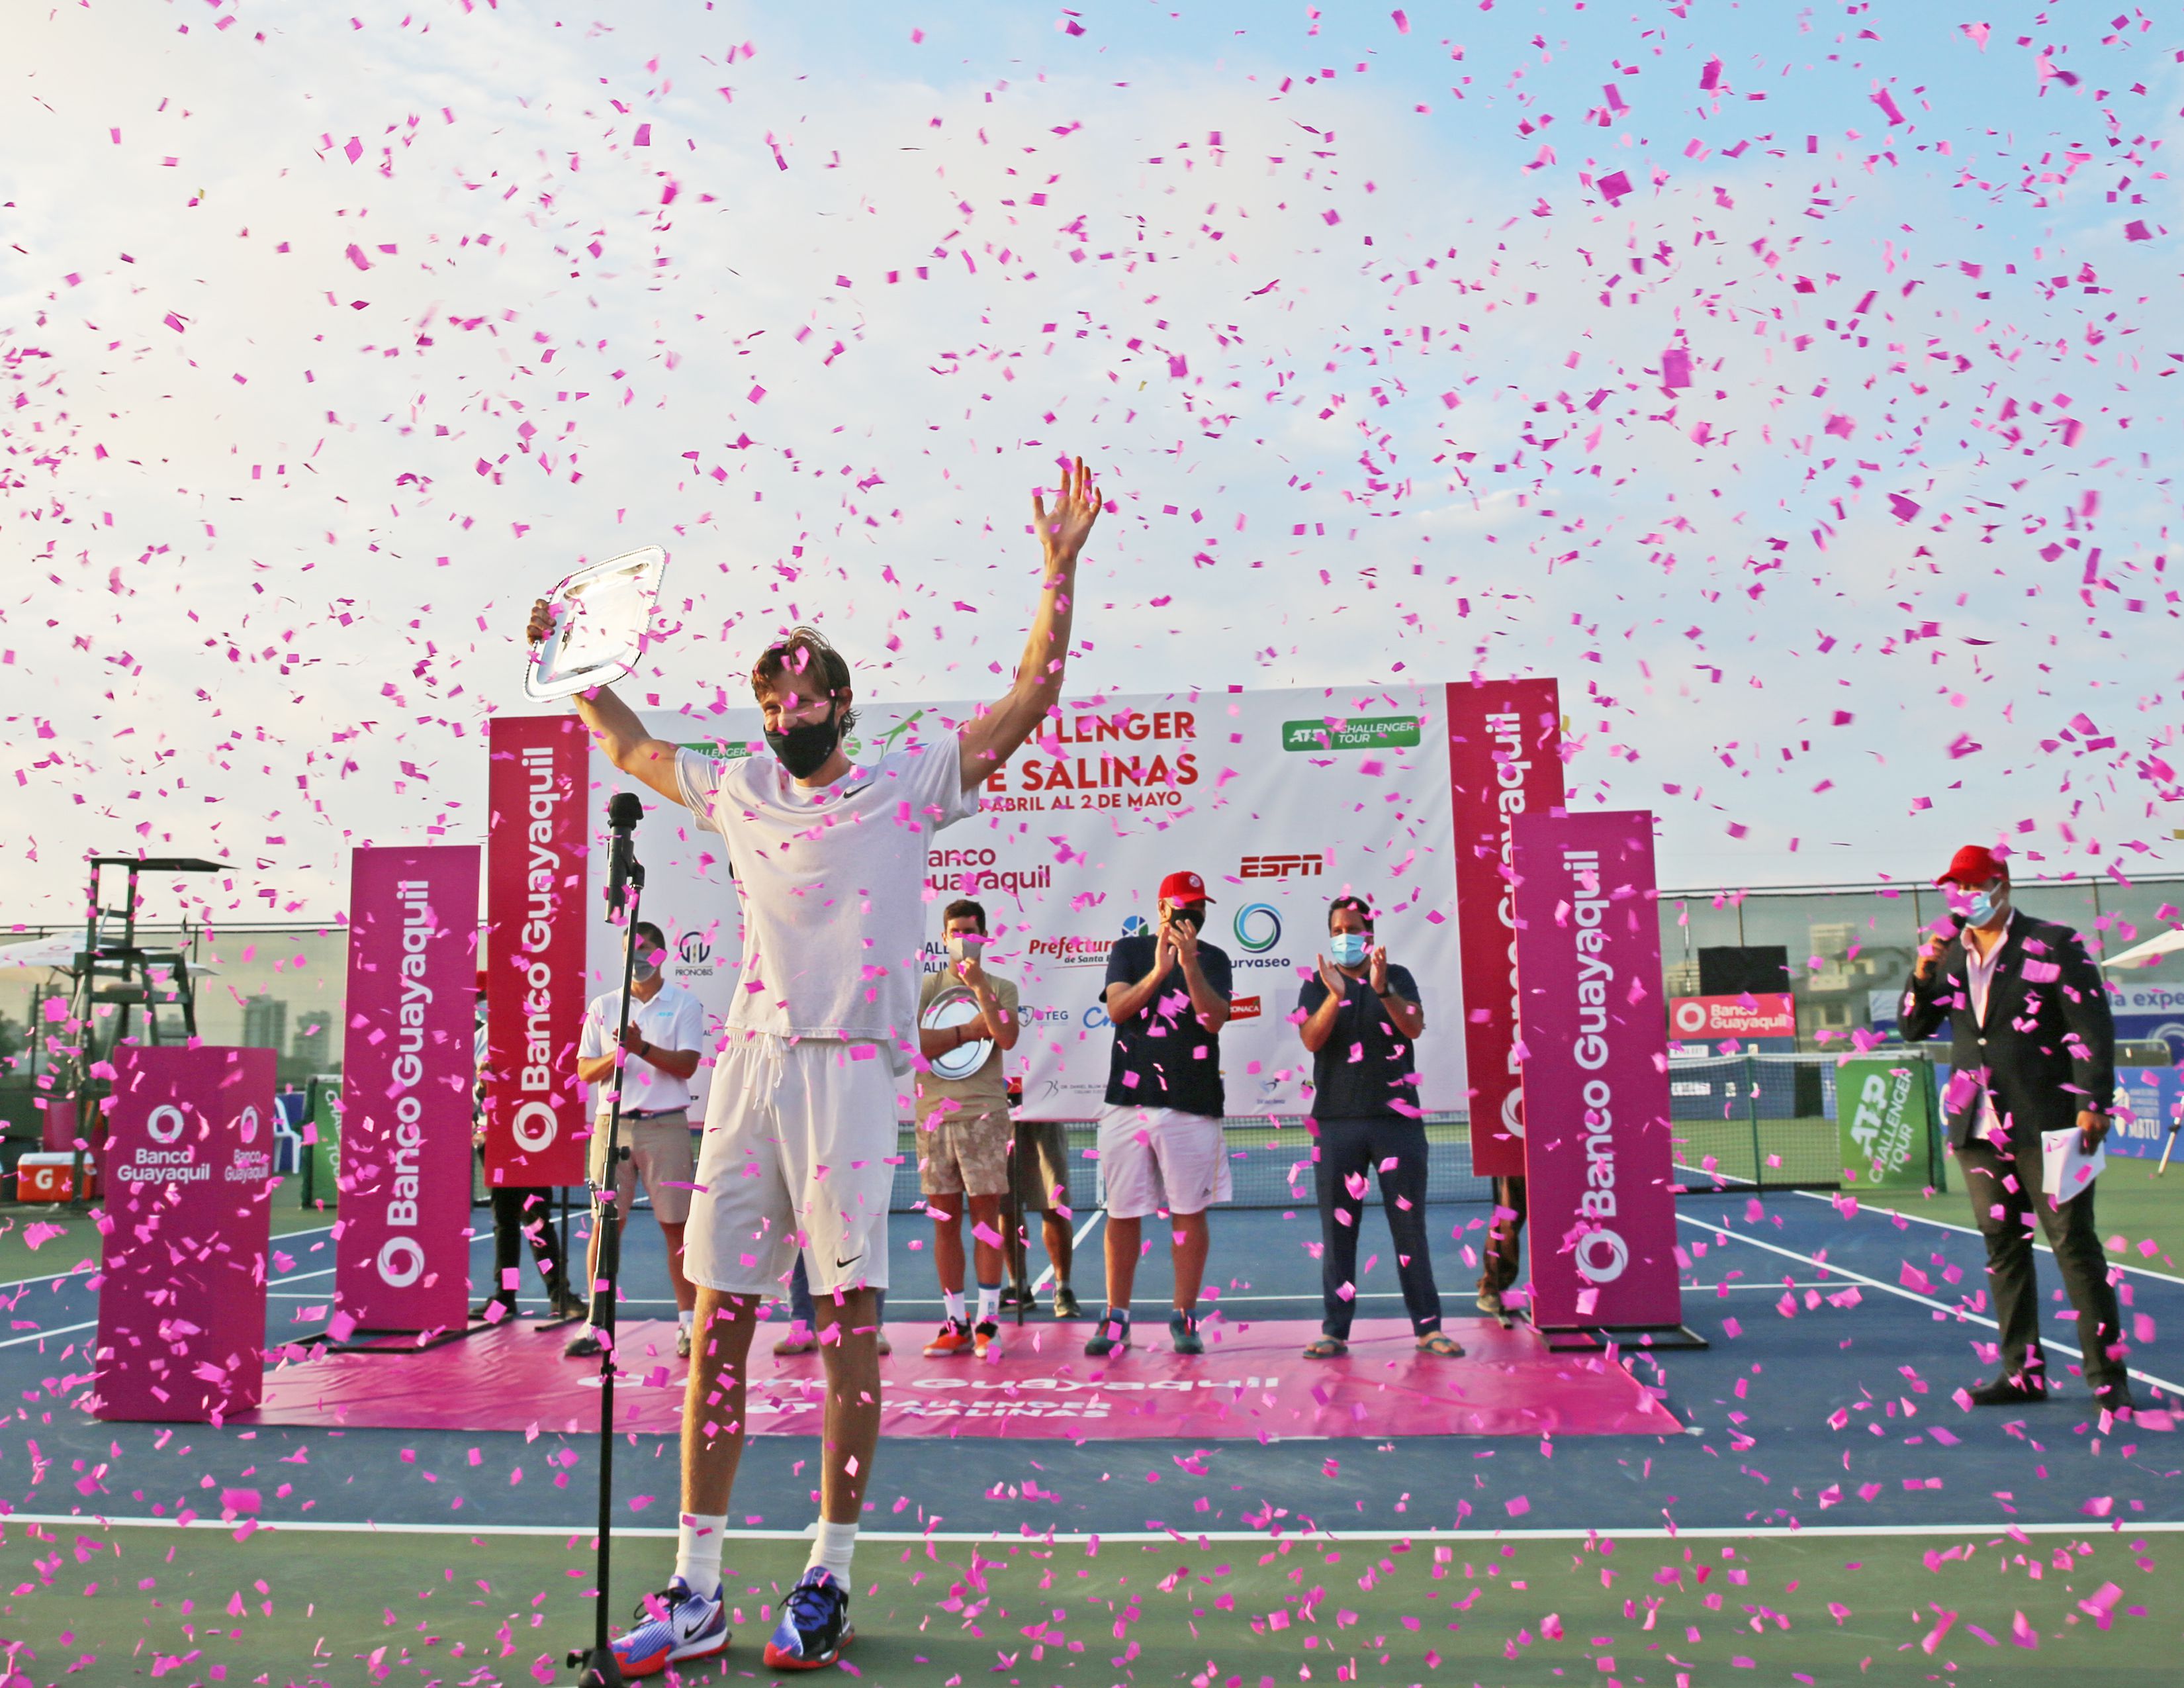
pixel 1376 971
pixel 541 627
pixel 1336 981
pixel 1063 532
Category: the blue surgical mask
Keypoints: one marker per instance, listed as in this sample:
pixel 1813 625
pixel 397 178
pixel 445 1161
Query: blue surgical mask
pixel 1981 910
pixel 1348 948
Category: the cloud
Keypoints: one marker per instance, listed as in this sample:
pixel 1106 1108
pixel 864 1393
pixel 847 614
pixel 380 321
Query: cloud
pixel 1365 391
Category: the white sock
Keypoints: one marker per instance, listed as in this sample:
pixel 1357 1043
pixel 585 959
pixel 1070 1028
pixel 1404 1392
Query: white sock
pixel 697 1552
pixel 989 1301
pixel 685 1318
pixel 833 1546
pixel 953 1300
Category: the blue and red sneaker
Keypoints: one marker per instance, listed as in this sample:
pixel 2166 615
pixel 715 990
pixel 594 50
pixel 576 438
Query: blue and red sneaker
pixel 815 1623
pixel 671 1628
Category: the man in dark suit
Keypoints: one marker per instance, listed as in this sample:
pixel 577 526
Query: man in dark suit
pixel 2034 1052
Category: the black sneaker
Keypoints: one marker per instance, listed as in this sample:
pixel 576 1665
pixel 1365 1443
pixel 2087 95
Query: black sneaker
pixel 483 1312
pixel 815 1623
pixel 1183 1333
pixel 2008 1391
pixel 1065 1302
pixel 584 1345
pixel 1114 1332
pixel 2115 1398
pixel 1018 1296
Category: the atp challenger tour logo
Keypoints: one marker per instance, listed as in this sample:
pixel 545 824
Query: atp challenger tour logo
pixel 1880 1127
pixel 1359 733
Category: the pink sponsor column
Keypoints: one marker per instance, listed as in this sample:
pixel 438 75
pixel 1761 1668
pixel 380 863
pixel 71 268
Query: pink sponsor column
pixel 535 872
pixel 401 1261
pixel 181 1292
pixel 1595 1058
pixel 1504 760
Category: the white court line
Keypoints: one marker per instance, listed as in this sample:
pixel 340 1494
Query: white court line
pixel 1729 1181
pixel 1201 1538
pixel 1973 1231
pixel 1957 1312
pixel 42 1335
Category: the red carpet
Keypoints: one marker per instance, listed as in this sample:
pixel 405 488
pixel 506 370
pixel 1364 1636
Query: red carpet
pixel 1252 1382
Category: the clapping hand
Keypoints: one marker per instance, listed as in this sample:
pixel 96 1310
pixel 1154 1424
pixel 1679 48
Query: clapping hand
pixel 1376 971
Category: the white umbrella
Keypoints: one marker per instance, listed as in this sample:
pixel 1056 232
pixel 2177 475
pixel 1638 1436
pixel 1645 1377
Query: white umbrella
pixel 2147 954
pixel 60 950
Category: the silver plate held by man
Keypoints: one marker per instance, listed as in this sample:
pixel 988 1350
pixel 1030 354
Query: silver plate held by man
pixel 953 1007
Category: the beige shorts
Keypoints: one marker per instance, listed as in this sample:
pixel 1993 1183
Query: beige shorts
pixel 959 1151
pixel 799 1153
pixel 660 1153
pixel 1161 1160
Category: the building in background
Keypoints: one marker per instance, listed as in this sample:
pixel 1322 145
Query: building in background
pixel 265 1023
pixel 312 1050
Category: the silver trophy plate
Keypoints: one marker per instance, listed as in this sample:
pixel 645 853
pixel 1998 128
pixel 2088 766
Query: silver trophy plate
pixel 955 1006
pixel 600 617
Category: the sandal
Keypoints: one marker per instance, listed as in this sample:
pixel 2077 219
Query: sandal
pixel 1326 1348
pixel 1440 1345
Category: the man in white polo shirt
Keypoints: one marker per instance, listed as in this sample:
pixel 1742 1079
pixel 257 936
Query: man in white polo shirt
pixel 666 1033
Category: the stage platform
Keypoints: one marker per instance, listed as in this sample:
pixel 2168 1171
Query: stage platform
pixel 1252 1384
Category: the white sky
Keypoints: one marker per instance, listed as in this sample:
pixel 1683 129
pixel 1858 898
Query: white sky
pixel 291 438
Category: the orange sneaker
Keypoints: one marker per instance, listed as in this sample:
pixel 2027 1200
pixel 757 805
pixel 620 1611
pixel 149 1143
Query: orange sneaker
pixel 954 1338
pixel 987 1338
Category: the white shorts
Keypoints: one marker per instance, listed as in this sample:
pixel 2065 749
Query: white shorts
pixel 797 1152
pixel 1153 1160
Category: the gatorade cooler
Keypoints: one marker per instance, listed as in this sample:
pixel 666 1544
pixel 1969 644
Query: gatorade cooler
pixel 45 1176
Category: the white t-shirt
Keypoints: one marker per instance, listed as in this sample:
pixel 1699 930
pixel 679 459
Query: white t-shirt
pixel 832 881
pixel 673 1020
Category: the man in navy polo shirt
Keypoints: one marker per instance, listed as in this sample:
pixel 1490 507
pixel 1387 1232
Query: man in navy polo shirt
pixel 1161 1147
pixel 1359 1018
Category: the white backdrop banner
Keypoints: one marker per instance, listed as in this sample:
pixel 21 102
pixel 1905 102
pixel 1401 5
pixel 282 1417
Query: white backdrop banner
pixel 1281 800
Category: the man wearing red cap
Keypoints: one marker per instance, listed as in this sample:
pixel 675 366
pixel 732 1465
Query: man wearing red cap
pixel 2034 1054
pixel 1160 1148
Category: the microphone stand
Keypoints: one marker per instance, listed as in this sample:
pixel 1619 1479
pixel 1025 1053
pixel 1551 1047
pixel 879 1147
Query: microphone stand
pixel 597 1665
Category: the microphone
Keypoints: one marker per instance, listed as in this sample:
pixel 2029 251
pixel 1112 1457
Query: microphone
pixel 624 810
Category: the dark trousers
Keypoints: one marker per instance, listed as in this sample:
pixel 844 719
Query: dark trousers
pixel 1351 1151
pixel 1504 1237
pixel 520 1211
pixel 2006 1193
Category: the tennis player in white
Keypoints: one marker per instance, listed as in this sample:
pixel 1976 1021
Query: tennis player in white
pixel 829 857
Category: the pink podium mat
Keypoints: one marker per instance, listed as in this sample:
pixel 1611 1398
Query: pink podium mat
pixel 1252 1383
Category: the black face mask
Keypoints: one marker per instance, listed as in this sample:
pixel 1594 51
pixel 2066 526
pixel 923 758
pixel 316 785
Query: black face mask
pixel 803 748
